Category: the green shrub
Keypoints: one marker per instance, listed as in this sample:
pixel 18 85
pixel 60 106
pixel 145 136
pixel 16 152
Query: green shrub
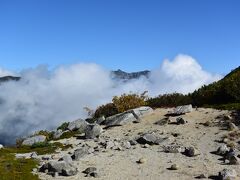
pixel 106 110
pixel 63 126
pixel 169 100
pixel 128 101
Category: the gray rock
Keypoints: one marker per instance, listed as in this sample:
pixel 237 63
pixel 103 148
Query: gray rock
pixel 191 152
pixel 109 145
pixel 35 139
pixel 90 170
pixel 174 167
pixel 181 110
pixel 133 142
pixel 147 139
pixel 61 167
pixel 180 120
pixel 93 131
pixel 78 125
pixel 227 174
pixel 231 126
pixel 141 111
pixel 57 134
pixel 163 121
pixel 26 155
pixel 172 149
pixel 222 150
pixel 46 157
pixel 67 158
pixel 100 120
pixel 80 153
pixel 93 174
pixel 120 119
pixel 126 145
pixel 234 160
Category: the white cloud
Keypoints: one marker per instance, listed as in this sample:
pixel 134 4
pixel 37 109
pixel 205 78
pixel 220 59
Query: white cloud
pixel 43 99
pixel 4 72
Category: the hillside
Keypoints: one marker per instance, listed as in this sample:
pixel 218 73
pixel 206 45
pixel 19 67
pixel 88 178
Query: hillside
pixel 226 90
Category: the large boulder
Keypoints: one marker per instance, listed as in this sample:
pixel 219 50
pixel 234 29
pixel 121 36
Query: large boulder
pixel 132 115
pixel 141 111
pixel 78 125
pixel 61 167
pixel 33 140
pixel 93 131
pixel 181 110
pixel 120 119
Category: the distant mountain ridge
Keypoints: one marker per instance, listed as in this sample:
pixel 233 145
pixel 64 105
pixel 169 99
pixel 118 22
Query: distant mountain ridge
pixel 9 78
pixel 122 75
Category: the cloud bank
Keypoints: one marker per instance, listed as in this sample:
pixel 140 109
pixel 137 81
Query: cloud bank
pixel 44 98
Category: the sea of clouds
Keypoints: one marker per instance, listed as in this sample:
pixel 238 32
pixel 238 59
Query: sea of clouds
pixel 44 98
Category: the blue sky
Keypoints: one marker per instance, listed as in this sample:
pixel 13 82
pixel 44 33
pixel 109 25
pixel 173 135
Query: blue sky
pixel 128 34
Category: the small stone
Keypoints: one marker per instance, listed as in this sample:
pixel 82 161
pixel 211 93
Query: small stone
pixel 227 174
pixel 109 145
pixel 180 120
pixel 201 176
pixel 232 127
pixel 126 145
pixel 222 150
pixel 133 142
pixel 174 167
pixel 173 149
pixel 90 170
pixel 142 160
pixel 234 160
pixel 146 146
pixel 191 152
pixel 93 174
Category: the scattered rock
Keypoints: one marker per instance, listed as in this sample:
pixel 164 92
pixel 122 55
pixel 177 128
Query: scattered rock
pixel 93 131
pixel 179 110
pixel 231 126
pixel 142 160
pixel 78 125
pixel 33 140
pixel 146 146
pixel 93 174
pixel 191 152
pixel 163 121
pixel 80 153
pixel 180 120
pixel 172 149
pixel 222 150
pixel 61 167
pixel 90 170
pixel 26 155
pixel 100 120
pixel 174 167
pixel 227 174
pixel 126 145
pixel 109 145
pixel 147 139
pixel 133 142
pixel 67 158
pixel 234 160
pixel 201 176
pixel 57 134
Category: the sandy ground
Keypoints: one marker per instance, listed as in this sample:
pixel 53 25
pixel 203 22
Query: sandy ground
pixel 122 165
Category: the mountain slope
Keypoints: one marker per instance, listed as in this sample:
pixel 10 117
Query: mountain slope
pixel 226 90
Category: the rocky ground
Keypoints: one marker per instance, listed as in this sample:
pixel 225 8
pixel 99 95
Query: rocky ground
pixel 182 147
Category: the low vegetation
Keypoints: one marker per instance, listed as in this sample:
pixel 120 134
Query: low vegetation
pixel 16 169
